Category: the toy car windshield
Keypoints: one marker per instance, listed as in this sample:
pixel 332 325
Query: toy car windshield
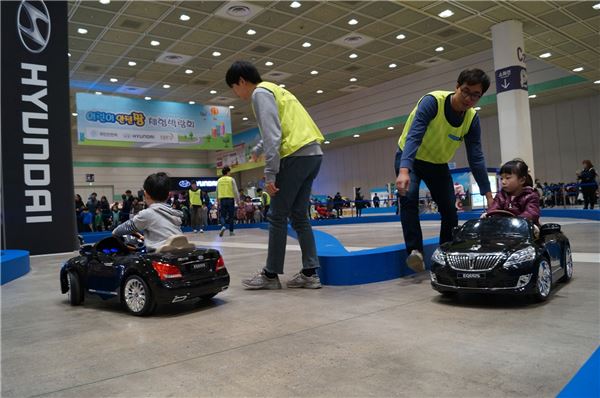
pixel 495 227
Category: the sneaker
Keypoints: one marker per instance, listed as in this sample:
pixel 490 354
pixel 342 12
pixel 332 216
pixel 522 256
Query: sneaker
pixel 308 282
pixel 260 281
pixel 222 231
pixel 231 233
pixel 415 261
pixel 201 231
pixel 195 230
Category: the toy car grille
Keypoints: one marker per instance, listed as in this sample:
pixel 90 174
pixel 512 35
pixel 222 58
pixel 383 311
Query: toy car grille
pixel 473 262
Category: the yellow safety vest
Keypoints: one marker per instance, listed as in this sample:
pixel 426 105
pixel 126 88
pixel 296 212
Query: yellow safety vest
pixel 195 199
pixel 441 139
pixel 265 199
pixel 225 187
pixel 297 127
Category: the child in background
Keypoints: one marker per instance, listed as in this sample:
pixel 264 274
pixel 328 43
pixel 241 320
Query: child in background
pixel 517 195
pixel 98 220
pixel 87 219
pixel 115 215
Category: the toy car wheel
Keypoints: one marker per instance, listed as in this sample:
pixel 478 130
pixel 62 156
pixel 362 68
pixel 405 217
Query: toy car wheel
pixel 75 293
pixel 568 264
pixel 543 283
pixel 137 296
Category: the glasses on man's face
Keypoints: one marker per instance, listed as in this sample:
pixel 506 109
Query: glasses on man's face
pixel 466 93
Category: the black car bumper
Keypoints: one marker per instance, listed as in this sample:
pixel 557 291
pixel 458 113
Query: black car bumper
pixel 177 291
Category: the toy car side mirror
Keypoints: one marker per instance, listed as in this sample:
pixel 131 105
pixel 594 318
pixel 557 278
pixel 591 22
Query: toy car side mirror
pixel 548 229
pixel 86 250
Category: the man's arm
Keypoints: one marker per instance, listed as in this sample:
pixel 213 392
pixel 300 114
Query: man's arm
pixel 236 194
pixel 267 117
pixel 476 159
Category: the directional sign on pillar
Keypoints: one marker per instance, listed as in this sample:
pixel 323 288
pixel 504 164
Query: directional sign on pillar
pixel 511 78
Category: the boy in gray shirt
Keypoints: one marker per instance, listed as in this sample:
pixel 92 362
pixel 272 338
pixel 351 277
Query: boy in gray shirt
pixel 158 222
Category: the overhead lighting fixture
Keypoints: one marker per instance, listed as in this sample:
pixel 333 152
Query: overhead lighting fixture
pixel 477 108
pixel 184 17
pixel 98 93
pixel 327 142
pixel 533 96
pixel 216 54
pixel 114 80
pixel 596 6
pixel 319 91
pixel 166 86
pixel 401 36
pixel 74 113
pixel 352 22
pixel 250 32
pixel 578 69
pixel 268 63
pixel 189 71
pixel 356 135
pixel 545 55
pixel 439 49
pixel 445 14
pixel 82 31
pixel 306 44
pixel 390 128
pixel 132 63
pixel 104 1
pixel 295 4
pixel 314 72
pixel 244 118
pixel 353 79
pixel 392 66
pixel 282 85
pixel 191 102
pixel 231 107
pixel 147 98
pixel 155 43
pixel 213 91
pixel 352 56
pixel 69 54
pixel 597 82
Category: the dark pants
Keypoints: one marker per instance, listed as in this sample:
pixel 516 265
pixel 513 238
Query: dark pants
pixel 227 209
pixel 589 196
pixel 438 180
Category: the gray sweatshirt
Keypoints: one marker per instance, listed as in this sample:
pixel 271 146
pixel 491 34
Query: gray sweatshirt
pixel 267 117
pixel 157 223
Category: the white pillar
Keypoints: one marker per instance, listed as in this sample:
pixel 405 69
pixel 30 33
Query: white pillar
pixel 511 92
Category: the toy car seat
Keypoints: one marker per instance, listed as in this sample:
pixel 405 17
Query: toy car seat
pixel 176 243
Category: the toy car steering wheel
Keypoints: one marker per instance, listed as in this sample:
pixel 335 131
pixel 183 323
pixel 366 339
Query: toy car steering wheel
pixel 502 213
pixel 134 243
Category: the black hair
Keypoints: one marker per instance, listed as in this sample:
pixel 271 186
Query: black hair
pixel 242 69
pixel 519 168
pixel 259 190
pixel 226 170
pixel 474 76
pixel 157 186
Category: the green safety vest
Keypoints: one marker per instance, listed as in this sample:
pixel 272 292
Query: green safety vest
pixel 225 187
pixel 265 199
pixel 441 139
pixel 194 196
pixel 297 127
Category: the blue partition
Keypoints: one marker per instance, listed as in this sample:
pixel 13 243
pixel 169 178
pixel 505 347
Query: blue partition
pixel 14 264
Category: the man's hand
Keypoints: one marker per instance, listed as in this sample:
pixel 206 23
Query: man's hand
pixel 403 181
pixel 489 198
pixel 271 188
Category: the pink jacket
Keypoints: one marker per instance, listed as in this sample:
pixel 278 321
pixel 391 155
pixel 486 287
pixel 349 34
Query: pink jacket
pixel 526 205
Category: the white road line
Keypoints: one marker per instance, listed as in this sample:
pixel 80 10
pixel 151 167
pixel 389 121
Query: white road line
pixel 586 257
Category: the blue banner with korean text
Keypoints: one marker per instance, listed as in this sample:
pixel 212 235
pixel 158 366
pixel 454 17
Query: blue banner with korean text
pixel 511 78
pixel 104 120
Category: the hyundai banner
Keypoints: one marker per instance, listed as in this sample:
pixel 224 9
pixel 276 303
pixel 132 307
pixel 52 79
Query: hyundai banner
pixel 105 120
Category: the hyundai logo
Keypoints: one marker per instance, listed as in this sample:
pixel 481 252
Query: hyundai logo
pixel 184 183
pixel 33 24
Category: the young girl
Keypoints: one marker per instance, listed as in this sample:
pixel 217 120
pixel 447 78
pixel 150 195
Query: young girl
pixel 517 195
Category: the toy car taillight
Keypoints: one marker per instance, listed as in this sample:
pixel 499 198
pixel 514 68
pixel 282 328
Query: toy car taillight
pixel 166 271
pixel 220 264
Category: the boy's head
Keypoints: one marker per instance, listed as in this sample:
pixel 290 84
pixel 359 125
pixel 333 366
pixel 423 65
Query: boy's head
pixel 259 191
pixel 156 187
pixel 226 170
pixel 242 77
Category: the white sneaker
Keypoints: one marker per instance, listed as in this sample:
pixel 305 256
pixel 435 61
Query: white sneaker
pixel 201 231
pixel 195 230
pixel 415 261
pixel 222 231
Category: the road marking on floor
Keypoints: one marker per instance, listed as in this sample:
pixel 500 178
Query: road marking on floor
pixel 260 246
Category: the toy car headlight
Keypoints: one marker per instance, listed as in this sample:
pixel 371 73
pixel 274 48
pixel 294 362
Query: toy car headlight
pixel 438 256
pixel 520 256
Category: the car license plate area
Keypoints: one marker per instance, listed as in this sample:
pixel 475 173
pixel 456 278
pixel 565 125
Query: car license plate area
pixel 470 276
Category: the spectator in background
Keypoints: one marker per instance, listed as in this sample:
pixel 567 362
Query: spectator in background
pixel 338 202
pixel 125 208
pixel 359 202
pixel 79 205
pixel 87 219
pixel 375 200
pixel 265 201
pixel 106 214
pixel 115 215
pixel 589 186
pixel 195 198
pixel 92 205
pixel 227 197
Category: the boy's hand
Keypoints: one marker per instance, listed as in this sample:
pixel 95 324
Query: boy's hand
pixel 271 188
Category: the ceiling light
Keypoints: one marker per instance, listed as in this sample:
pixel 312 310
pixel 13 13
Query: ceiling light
pixel 231 107
pixel 244 118
pixel 545 55
pixel 353 56
pixel 295 4
pixel 306 44
pixel 114 80
pixel 250 32
pixel 356 135
pixel 104 1
pixel 98 93
pixel 445 14
pixel 578 69
pixel 352 22
pixel 131 63
pixel 353 79
pixel 82 31
pixel 596 6
pixel 392 66
pixel 155 43
pixel 327 142
pixel 74 113
pixel 147 98
pixel 477 108
pixel 401 37
pixel 319 91
pixel 69 54
pixel 213 91
pixel 184 17
pixel 439 49
pixel 189 71
pixel 216 54
pixel 597 82
pixel 166 86
pixel 390 128
pixel 282 85
pixel 268 63
pixel 532 96
pixel 314 72
pixel 191 102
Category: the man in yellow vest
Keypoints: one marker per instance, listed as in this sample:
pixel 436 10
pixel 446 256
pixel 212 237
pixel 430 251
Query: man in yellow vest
pixel 435 128
pixel 195 198
pixel 265 201
pixel 292 145
pixel 227 197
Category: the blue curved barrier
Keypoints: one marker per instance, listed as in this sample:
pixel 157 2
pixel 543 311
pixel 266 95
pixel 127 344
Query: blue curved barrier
pixel 13 264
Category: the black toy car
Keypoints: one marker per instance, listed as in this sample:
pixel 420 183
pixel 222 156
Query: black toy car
pixel 502 254
pixel 122 268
